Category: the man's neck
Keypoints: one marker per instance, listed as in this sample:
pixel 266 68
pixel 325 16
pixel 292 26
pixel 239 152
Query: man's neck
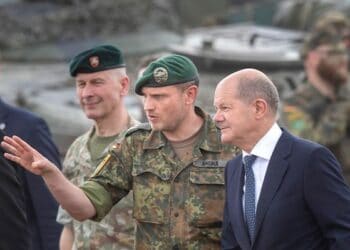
pixel 113 124
pixel 190 126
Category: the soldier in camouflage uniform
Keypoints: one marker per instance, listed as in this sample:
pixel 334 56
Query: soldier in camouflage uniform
pixel 319 109
pixel 174 165
pixel 101 83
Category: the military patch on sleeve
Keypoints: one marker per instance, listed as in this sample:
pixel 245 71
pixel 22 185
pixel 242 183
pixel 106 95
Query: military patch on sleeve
pixel 295 118
pixel 102 165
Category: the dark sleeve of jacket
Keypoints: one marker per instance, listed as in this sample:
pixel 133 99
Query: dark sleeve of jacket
pixel 14 231
pixel 41 206
pixel 328 196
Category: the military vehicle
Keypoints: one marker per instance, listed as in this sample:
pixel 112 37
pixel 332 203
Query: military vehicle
pixel 242 45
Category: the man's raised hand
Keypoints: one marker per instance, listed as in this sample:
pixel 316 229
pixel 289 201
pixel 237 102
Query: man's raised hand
pixel 20 152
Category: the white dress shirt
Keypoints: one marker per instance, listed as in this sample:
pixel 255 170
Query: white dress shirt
pixel 263 150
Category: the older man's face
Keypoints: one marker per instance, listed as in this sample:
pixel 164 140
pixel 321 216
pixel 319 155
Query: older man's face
pixel 100 93
pixel 233 117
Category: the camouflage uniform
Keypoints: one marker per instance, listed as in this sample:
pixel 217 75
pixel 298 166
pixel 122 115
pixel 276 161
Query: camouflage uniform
pixel 313 116
pixel 116 230
pixel 176 205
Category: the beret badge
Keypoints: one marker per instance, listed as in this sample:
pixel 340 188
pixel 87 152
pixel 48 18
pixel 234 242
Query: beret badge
pixel 94 61
pixel 160 75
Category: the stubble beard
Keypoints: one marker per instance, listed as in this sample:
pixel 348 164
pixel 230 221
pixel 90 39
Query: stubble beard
pixel 331 74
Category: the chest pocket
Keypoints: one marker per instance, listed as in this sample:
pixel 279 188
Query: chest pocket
pixel 151 188
pixel 207 195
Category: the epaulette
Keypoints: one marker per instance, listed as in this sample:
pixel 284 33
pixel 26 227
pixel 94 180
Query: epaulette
pixel 141 126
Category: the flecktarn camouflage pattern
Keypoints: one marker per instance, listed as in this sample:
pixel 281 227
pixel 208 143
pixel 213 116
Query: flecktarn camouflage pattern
pixel 176 205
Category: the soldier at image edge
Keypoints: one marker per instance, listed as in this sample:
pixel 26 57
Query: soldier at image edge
pixel 319 109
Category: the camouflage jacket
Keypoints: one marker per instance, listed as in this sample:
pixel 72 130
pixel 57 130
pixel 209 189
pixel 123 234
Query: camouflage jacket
pixel 176 206
pixel 116 230
pixel 313 116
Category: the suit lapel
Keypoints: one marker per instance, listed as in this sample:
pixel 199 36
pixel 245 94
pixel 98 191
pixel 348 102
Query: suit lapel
pixel 236 189
pixel 274 175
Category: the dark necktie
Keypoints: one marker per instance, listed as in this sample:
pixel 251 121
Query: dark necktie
pixel 249 195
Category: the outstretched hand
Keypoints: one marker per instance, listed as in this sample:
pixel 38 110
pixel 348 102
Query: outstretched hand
pixel 24 155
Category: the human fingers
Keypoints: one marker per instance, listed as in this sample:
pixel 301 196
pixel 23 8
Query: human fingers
pixel 13 158
pixel 15 151
pixel 8 146
pixel 21 144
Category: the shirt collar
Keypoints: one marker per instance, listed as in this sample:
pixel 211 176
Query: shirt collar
pixel 266 145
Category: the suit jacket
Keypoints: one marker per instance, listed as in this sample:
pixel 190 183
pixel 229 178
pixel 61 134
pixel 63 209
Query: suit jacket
pixel 14 230
pixel 304 201
pixel 40 204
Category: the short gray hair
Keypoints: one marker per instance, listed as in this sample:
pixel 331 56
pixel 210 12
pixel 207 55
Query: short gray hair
pixel 251 87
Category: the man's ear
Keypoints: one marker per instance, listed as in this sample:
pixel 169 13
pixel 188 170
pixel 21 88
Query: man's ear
pixel 125 83
pixel 191 94
pixel 261 107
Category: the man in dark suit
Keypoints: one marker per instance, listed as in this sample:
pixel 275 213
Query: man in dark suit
pixel 14 231
pixel 40 205
pixel 293 195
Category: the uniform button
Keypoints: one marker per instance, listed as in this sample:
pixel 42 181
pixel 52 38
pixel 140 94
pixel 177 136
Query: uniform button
pixel 176 214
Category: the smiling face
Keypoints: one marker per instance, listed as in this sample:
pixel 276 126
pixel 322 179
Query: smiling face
pixel 100 94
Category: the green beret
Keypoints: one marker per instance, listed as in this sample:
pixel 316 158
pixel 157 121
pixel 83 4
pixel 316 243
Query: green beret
pixel 168 70
pixel 97 59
